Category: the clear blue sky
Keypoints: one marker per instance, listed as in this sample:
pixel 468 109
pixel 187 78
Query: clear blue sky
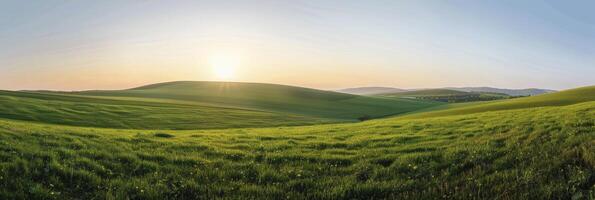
pixel 74 45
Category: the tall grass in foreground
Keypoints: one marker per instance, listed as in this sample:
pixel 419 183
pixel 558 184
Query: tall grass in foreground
pixel 542 153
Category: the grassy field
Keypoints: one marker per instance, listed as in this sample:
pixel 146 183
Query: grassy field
pixel 540 153
pixel 540 147
pixel 269 97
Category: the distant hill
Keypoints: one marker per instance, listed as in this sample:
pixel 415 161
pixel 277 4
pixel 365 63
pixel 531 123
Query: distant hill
pixel 446 95
pixel 562 98
pixel 267 97
pixel 390 90
pixel 511 92
pixel 371 90
pixel 428 92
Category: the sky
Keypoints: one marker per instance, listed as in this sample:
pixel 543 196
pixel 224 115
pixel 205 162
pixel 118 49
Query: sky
pixel 81 45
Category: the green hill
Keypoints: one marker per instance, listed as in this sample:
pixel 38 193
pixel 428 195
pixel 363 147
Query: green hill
pixel 562 98
pixel 94 112
pixel 199 105
pixel 539 153
pixel 269 97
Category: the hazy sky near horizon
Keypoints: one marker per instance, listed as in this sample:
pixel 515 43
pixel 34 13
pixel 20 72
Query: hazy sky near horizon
pixel 77 45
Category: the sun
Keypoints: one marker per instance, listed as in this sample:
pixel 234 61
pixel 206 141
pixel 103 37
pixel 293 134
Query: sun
pixel 223 72
pixel 224 67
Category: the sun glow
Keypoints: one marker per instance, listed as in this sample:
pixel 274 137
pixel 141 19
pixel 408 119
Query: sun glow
pixel 224 67
pixel 224 73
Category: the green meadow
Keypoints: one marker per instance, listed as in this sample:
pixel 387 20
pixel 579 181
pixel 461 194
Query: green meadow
pixel 122 145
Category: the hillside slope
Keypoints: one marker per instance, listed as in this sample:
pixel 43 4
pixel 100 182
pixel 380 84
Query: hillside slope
pixel 562 98
pixel 108 113
pixel 270 97
pixel 541 153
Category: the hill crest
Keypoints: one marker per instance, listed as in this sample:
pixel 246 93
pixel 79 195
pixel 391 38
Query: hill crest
pixel 268 97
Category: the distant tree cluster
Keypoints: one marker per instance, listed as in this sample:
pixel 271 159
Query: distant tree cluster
pixel 364 118
pixel 464 98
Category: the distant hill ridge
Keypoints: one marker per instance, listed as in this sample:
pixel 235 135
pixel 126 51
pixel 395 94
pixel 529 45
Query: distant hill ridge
pixel 430 92
pixel 447 95
pixel 562 98
pixel 371 90
pixel 511 92
pixel 391 90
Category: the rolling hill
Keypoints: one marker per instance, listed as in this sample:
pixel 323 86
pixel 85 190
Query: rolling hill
pixel 97 112
pixel 562 98
pixel 371 90
pixel 267 97
pixel 199 105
